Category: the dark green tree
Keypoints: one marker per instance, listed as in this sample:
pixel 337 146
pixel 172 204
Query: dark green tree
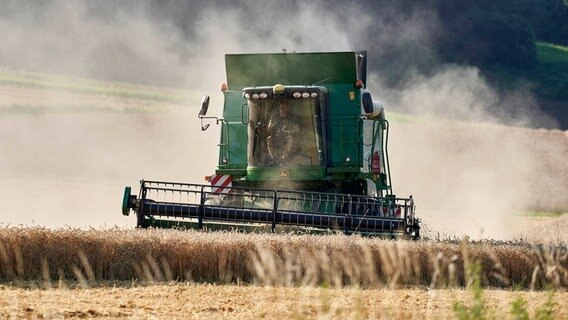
pixel 488 39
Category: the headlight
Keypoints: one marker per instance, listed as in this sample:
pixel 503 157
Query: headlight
pixel 263 95
pixel 255 96
pixel 314 95
pixel 305 95
pixel 296 94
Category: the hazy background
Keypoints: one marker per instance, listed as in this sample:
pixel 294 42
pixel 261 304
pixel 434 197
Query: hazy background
pixel 466 175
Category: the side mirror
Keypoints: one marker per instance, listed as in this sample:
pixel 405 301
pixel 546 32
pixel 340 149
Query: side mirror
pixel 203 112
pixel 204 106
pixel 244 113
pixel 367 103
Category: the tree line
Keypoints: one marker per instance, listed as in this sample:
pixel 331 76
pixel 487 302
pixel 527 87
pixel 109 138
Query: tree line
pixel 404 37
pixel 486 33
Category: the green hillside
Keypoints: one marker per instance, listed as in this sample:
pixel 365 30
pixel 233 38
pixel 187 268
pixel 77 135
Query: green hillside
pixel 36 80
pixel 548 53
pixel 551 73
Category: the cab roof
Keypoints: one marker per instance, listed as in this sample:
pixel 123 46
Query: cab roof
pixel 267 69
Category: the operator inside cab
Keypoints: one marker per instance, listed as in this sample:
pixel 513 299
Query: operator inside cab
pixel 283 133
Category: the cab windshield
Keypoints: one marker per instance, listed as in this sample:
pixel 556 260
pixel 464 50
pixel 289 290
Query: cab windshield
pixel 284 132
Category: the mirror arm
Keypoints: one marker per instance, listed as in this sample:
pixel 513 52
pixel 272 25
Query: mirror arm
pixel 205 126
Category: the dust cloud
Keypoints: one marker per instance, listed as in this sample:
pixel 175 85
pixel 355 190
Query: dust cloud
pixel 466 170
pixel 148 42
pixel 69 168
pixel 105 41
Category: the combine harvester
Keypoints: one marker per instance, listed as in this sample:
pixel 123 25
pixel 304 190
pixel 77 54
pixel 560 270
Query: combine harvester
pixel 303 144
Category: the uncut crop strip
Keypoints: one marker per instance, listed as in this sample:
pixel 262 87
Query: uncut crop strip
pixel 37 254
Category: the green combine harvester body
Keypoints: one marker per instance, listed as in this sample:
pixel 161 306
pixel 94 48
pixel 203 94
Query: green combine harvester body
pixel 303 144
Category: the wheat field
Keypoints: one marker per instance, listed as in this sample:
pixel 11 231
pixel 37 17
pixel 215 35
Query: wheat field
pixel 118 273
pixel 209 301
pixel 76 150
pixel 39 254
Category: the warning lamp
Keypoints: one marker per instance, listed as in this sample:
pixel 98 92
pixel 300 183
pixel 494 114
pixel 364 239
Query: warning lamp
pixel 278 88
pixel 376 163
pixel 223 87
pixel 359 84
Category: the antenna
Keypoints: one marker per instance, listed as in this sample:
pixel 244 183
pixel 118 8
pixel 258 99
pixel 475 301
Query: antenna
pixel 322 80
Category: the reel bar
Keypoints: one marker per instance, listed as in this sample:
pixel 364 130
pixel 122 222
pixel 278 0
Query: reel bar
pixel 349 213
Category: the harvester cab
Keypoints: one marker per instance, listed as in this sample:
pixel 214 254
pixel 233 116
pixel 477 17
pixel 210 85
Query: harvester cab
pixel 303 144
